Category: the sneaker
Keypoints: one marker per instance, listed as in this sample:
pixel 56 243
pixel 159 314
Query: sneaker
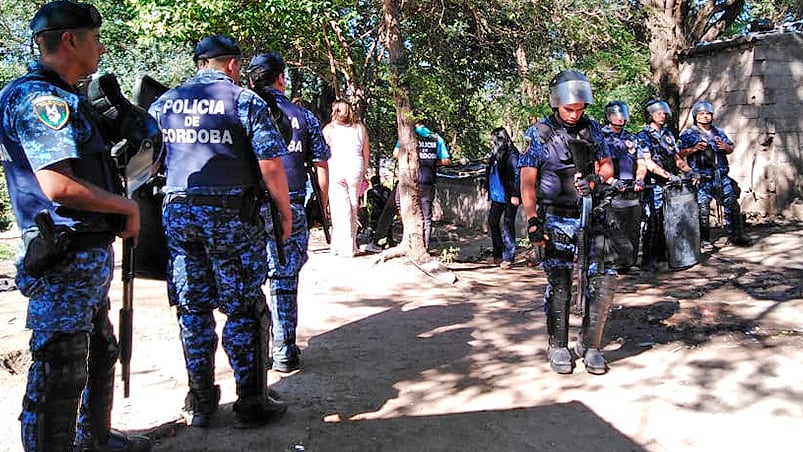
pixel 253 415
pixel 505 265
pixel 372 248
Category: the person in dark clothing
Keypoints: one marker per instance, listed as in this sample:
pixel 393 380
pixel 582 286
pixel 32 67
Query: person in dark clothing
pixel 502 176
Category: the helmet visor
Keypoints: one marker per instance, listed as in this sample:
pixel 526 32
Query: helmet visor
pixel 570 92
pixel 617 111
pixel 659 106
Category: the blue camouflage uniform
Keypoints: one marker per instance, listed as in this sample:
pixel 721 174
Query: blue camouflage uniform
pixel 214 132
pixel 626 150
pixel 662 147
pixel 307 144
pixel 712 165
pixel 45 122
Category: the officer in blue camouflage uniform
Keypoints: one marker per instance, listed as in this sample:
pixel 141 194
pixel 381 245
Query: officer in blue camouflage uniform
pixel 664 165
pixel 557 169
pixel 706 148
pixel 627 154
pixel 220 145
pixel 307 146
pixel 55 161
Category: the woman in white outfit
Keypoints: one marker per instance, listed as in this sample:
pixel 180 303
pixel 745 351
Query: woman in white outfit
pixel 347 137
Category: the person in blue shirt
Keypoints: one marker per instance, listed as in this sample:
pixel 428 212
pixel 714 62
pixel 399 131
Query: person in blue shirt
pixel 57 166
pixel 664 165
pixel 306 147
pixel 627 155
pixel 220 148
pixel 706 148
pixel 567 160
pixel 502 176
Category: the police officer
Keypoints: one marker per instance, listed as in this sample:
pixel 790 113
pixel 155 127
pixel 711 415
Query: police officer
pixel 220 145
pixel 706 147
pixel 664 164
pixel 557 169
pixel 58 169
pixel 627 155
pixel 306 147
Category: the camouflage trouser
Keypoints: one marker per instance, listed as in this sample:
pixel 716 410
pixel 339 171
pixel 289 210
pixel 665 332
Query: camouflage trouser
pixel 283 280
pixel 728 198
pixel 217 260
pixel 73 349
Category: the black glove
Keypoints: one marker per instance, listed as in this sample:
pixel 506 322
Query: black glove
pixel 583 187
pixel 618 185
pixel 536 231
pixel 694 175
pixel 639 182
pixel 674 178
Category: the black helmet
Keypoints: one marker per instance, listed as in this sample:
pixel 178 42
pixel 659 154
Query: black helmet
pixel 569 87
pixel 654 105
pixel 617 107
pixel 699 106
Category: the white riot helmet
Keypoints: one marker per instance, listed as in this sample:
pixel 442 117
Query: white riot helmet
pixel 701 106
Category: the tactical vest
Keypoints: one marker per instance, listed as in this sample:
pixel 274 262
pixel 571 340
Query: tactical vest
pixel 709 158
pixel 567 154
pixel 623 154
pixel 662 152
pixel 427 159
pixel 205 141
pixel 94 165
pixel 299 147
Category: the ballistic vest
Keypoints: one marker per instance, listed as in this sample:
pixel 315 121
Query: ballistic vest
pixel 94 165
pixel 427 159
pixel 662 151
pixel 206 143
pixel 623 153
pixel 298 149
pixel 709 158
pixel 556 176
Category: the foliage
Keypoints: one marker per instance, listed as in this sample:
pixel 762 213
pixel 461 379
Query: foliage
pixel 7 252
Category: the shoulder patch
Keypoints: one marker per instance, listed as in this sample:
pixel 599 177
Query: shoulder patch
pixel 51 111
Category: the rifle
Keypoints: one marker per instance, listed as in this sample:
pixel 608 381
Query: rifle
pixel 127 314
pixel 276 219
pixel 586 206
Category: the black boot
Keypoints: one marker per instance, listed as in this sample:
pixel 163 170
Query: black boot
pixel 738 236
pixel 200 405
pixel 557 321
pixel 256 411
pixel 589 343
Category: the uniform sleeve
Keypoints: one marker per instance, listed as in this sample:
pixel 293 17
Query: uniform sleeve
pixel 641 146
pixel 47 127
pixel 645 142
pixel 320 150
pixel 724 137
pixel 254 115
pixel 688 138
pixel 535 151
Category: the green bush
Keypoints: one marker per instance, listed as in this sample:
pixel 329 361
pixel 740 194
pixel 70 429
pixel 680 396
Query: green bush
pixel 6 214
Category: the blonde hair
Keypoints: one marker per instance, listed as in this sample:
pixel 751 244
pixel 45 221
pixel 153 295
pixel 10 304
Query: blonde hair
pixel 342 112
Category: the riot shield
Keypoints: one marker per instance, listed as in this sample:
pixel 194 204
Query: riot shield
pixel 681 225
pixel 625 211
pixel 150 255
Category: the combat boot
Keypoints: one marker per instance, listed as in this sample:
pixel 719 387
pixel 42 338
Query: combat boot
pixel 589 342
pixel 200 405
pixel 557 320
pixel 253 412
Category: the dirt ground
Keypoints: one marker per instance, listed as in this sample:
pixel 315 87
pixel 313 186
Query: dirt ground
pixel 709 358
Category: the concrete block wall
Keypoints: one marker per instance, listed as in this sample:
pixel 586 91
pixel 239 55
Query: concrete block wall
pixel 756 86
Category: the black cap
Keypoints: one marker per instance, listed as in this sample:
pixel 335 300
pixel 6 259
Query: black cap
pixel 63 14
pixel 215 46
pixel 268 65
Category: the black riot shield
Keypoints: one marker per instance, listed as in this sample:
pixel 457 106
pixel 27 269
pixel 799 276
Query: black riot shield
pixel 681 225
pixel 623 236
pixel 150 255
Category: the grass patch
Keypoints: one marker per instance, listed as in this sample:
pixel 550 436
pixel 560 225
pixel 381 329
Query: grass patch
pixel 7 251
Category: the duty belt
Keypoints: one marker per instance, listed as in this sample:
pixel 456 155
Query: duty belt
pixel 225 201
pixel 568 212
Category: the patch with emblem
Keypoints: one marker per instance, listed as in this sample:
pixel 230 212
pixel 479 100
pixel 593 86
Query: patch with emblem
pixel 631 148
pixel 52 111
pixel 668 139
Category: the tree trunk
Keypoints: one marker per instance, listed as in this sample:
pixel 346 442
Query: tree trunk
pixel 412 218
pixel 666 40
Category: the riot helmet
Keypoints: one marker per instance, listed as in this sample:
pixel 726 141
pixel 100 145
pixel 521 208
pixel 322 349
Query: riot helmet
pixel 655 105
pixel 702 106
pixel 569 87
pixel 617 108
